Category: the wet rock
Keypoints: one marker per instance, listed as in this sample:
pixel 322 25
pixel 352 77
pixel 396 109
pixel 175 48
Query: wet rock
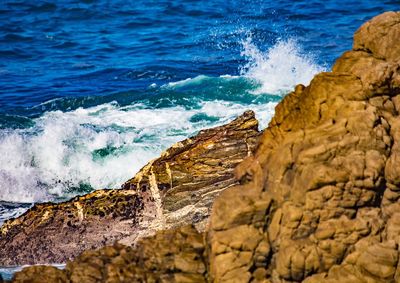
pixel 174 190
pixel 53 233
pixel 187 177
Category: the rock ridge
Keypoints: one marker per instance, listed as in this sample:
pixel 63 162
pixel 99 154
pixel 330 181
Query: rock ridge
pixel 173 190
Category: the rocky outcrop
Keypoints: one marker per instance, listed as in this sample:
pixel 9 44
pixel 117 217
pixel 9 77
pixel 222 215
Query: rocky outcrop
pixel 169 256
pixel 40 274
pixel 176 189
pixel 188 176
pixel 319 199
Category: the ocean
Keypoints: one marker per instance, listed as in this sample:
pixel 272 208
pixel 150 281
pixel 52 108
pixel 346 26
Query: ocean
pixel 90 91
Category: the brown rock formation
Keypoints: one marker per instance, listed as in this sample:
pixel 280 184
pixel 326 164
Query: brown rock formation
pixel 41 274
pixel 176 189
pixel 318 201
pixel 169 256
pixel 187 177
pixel 320 196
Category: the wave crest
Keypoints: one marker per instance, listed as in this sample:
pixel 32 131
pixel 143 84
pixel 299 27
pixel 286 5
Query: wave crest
pixel 280 68
pixel 70 153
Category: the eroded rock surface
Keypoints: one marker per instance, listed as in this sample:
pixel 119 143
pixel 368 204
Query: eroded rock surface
pixel 319 200
pixel 188 176
pixel 169 256
pixel 176 189
pixel 320 196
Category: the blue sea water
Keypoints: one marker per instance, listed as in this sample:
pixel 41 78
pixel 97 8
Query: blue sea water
pixel 92 90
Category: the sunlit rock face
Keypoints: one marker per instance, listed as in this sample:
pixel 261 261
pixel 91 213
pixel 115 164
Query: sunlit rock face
pixel 319 199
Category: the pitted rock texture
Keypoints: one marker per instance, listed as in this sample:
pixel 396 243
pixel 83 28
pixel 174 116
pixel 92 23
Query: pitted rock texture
pixel 41 274
pixel 174 190
pixel 169 256
pixel 319 201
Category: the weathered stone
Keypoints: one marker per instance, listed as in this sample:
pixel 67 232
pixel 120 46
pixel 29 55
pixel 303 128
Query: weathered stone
pixel 190 174
pixel 380 37
pixel 380 260
pixel 169 256
pixel 326 163
pixel 176 189
pixel 40 274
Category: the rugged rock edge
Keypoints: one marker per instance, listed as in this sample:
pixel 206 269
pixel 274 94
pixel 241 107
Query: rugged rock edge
pixel 175 189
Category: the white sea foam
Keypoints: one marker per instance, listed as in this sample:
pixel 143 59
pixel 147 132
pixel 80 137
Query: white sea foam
pixel 107 144
pixel 59 152
pixel 280 68
pixel 277 71
pixel 192 81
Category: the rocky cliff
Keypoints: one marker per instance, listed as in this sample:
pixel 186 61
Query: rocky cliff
pixel 320 196
pixel 176 189
pixel 317 202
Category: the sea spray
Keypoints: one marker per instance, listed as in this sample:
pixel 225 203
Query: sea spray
pixel 280 68
pixel 67 153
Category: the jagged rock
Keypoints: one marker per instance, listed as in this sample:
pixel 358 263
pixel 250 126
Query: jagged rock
pixel 40 274
pixel 319 199
pixel 169 256
pixel 187 177
pixel 176 189
pixel 322 188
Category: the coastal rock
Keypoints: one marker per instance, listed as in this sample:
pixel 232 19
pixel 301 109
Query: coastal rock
pixel 40 274
pixel 169 256
pixel 320 194
pixel 319 199
pixel 176 189
pixel 188 176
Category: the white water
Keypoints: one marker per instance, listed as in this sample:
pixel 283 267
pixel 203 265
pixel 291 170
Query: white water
pixel 280 68
pixel 58 154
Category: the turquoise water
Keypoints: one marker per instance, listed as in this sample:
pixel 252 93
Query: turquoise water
pixel 92 90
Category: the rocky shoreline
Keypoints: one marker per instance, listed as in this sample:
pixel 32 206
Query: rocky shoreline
pixel 175 189
pixel 314 198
